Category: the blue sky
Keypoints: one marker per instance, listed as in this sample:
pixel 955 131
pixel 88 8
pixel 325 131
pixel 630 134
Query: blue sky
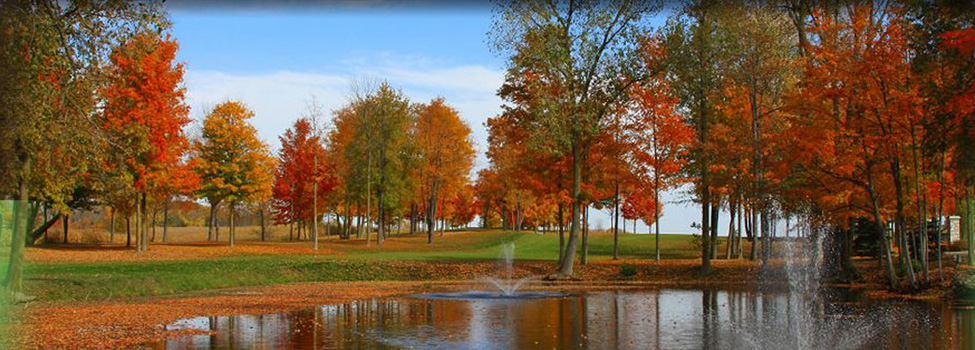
pixel 275 59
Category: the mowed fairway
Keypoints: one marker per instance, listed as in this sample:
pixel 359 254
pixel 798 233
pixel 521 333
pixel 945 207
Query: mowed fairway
pixel 115 272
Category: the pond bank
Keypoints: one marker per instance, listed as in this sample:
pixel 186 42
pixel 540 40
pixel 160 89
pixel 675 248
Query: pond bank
pixel 106 323
pixel 117 322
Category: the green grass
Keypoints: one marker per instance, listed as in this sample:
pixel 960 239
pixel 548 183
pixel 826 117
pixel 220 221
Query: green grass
pixel 102 280
pixel 8 322
pixel 95 281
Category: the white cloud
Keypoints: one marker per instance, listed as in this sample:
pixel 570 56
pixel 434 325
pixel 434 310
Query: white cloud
pixel 468 78
pixel 279 98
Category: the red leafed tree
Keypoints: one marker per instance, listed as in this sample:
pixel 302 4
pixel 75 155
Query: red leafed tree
pixel 659 140
pixel 144 114
pixel 293 186
pixel 854 120
pixel 461 208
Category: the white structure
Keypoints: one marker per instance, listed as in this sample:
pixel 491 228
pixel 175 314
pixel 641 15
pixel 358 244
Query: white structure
pixel 954 229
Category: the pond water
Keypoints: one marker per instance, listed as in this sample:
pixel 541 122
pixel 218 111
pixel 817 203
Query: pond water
pixel 625 319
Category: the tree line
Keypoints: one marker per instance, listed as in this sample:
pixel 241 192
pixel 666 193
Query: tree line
pixel 93 114
pixel 847 118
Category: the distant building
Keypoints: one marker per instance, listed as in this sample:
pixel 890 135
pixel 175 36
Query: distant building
pixel 954 229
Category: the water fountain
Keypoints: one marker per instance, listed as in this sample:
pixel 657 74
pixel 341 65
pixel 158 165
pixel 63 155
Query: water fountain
pixel 812 321
pixel 507 286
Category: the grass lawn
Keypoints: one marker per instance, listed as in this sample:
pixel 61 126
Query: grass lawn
pixel 351 261
pixel 486 245
pixel 7 321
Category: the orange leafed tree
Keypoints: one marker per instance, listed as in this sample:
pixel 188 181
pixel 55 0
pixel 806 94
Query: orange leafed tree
pixel 853 120
pixel 340 137
pixel 445 157
pixel 144 115
pixel 659 140
pixel 234 165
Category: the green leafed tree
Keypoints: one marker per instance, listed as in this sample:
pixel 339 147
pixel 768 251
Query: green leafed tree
pixel 571 65
pixel 52 53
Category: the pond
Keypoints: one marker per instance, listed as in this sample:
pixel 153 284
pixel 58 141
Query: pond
pixel 623 319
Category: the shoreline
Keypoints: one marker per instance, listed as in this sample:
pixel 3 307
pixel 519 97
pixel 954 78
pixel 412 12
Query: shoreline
pixel 135 321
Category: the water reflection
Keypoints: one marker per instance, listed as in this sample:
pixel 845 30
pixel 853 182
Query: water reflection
pixel 664 319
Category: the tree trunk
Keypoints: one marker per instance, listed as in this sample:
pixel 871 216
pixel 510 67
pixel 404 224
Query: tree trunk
pixel 731 229
pixel 314 226
pixel 216 223
pixel 64 224
pixel 941 205
pixel 15 266
pixel 263 226
pixel 166 222
pixel 138 223
pixel 741 218
pixel 585 235
pixel 705 223
pixel 45 220
pixel 715 211
pixel 358 219
pixel 153 225
pixel 211 222
pixel 565 266
pixel 413 219
pixel 753 229
pixel 431 210
pixel 233 226
pixel 443 214
pixel 922 215
pixel 561 214
pixel 899 223
pixel 656 214
pixel 111 229
pixel 878 224
pixel 144 238
pixel 616 223
pixel 381 235
pixel 128 231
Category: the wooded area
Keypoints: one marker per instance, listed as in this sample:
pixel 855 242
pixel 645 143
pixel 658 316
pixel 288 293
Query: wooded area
pixel 848 120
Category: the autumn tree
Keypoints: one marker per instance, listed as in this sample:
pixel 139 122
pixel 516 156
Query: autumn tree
pixel 234 165
pixel 760 68
pixel 658 141
pixel 297 169
pixel 52 52
pixel 445 156
pixel 694 66
pixel 854 115
pixel 144 115
pixel 383 120
pixel 340 139
pixel 574 61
